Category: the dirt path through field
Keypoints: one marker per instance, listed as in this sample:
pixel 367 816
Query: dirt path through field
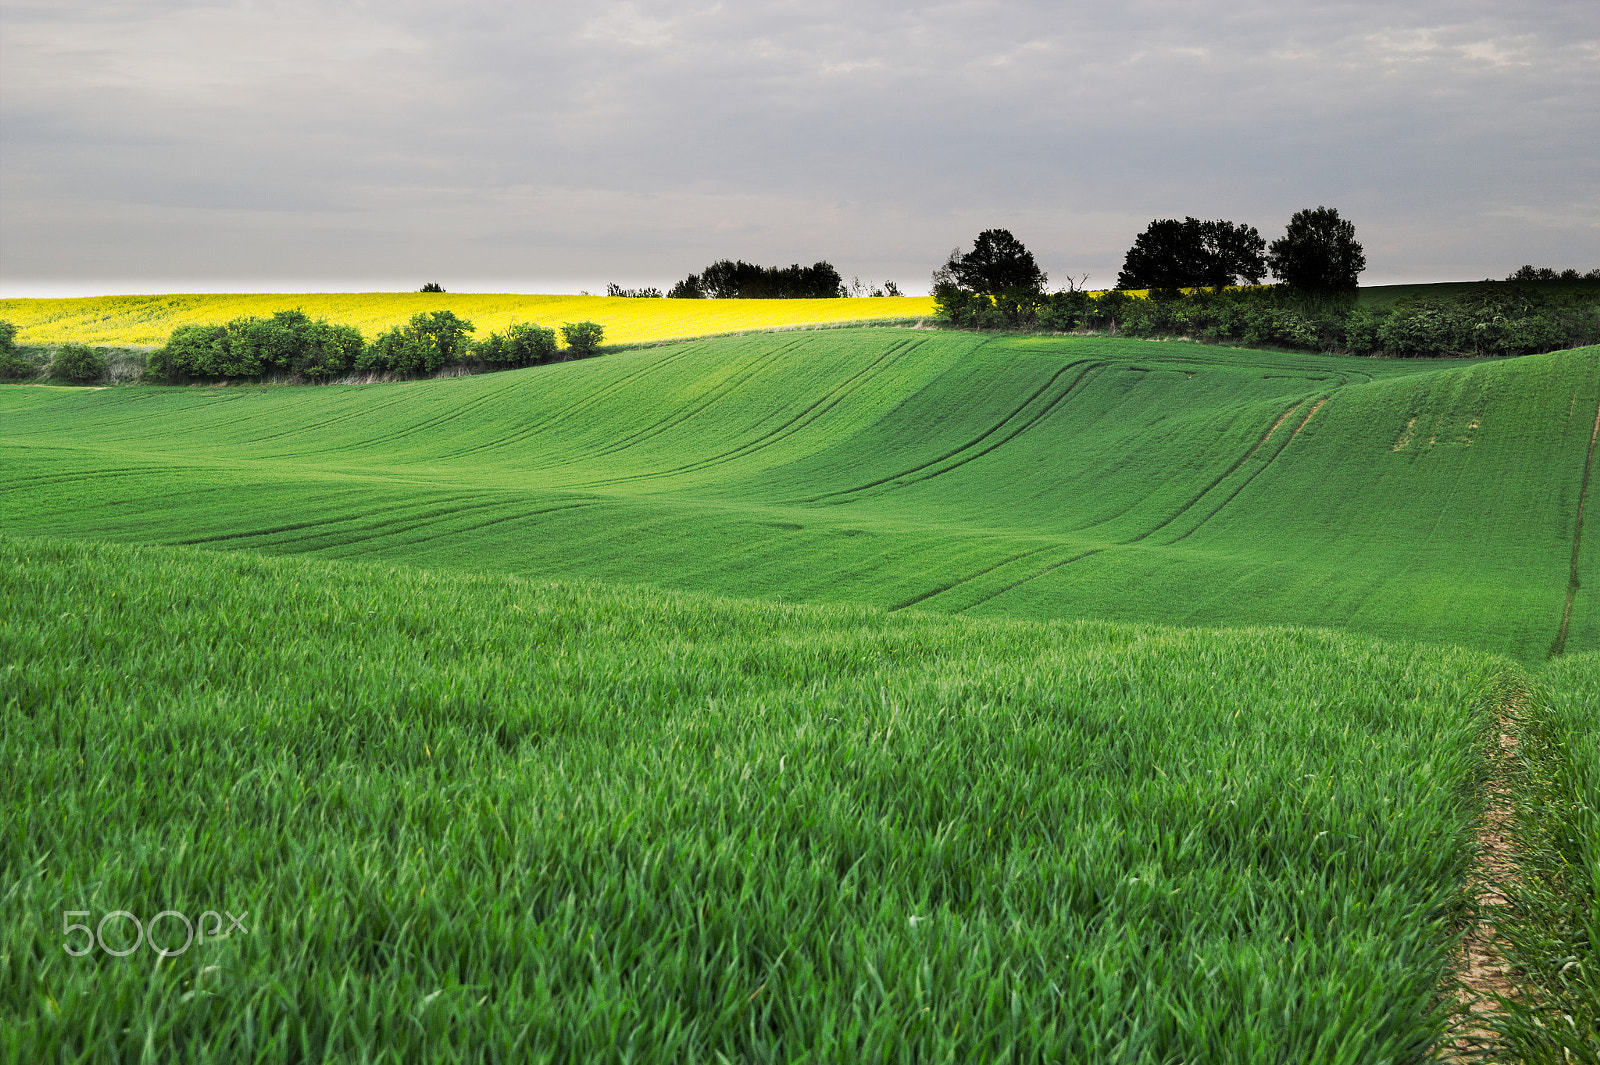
pixel 1481 967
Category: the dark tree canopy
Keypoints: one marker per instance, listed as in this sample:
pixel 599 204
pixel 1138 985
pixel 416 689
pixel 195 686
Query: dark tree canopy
pixel 432 286
pixel 1193 254
pixel 650 292
pixel 998 264
pixel 1549 273
pixel 741 280
pixel 1318 252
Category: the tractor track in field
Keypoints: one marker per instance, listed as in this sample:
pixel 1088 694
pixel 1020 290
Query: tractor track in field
pixel 21 483
pixel 518 516
pixel 1259 470
pixel 335 419
pixel 141 418
pixel 322 522
pixel 1223 476
pixel 742 373
pixel 421 521
pixel 1559 647
pixel 455 411
pixel 587 400
pixel 1282 418
pixel 966 451
pixel 1051 568
pixel 806 417
pixel 716 394
pixel 968 579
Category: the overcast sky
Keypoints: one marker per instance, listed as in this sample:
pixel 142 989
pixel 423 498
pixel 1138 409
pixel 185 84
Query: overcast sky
pixel 298 145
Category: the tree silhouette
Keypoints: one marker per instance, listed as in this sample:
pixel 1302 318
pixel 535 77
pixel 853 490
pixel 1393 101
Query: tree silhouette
pixel 1318 252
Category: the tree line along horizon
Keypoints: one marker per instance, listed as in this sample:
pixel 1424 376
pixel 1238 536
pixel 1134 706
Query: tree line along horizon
pixel 1201 280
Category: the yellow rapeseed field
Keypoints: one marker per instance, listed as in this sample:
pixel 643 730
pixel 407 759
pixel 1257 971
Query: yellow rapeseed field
pixel 149 320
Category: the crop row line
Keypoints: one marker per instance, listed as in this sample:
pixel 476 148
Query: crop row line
pixel 966 449
pixel 806 417
pixel 1559 647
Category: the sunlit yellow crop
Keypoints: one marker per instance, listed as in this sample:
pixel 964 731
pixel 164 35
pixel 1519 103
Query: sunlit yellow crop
pixel 149 320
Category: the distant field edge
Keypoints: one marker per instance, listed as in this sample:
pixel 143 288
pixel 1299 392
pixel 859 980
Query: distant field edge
pixel 149 320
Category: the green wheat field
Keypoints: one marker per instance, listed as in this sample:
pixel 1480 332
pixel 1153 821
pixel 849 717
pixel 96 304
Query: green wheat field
pixel 860 695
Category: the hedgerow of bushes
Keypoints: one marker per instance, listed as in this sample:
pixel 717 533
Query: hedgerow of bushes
pixel 290 344
pixel 1492 318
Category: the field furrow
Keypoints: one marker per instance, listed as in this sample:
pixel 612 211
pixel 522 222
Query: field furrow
pixel 816 410
pixel 1559 646
pixel 1018 421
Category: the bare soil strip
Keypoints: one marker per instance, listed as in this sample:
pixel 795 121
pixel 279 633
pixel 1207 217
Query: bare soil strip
pixel 1560 646
pixel 1308 417
pixel 1481 967
pixel 1405 435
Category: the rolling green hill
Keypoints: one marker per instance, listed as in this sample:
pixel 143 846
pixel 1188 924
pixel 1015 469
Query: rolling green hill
pixel 1024 477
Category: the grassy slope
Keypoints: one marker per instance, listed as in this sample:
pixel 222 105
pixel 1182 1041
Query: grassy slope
pixel 1041 478
pixel 485 819
pixel 151 319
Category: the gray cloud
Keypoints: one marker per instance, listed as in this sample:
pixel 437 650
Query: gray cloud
pixel 296 143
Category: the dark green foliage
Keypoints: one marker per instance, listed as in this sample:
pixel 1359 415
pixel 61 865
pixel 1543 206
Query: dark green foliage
pixel 687 289
pixel 1545 273
pixel 192 351
pixel 1493 318
pixel 1490 319
pixel 728 279
pixel 445 335
pixel 522 344
pixel 583 338
pixel 431 286
pixel 1173 254
pixel 1318 253
pixel 996 285
pixel 397 350
pixel 288 343
pixel 1017 309
pixel 954 305
pixel 13 367
pixel 998 265
pixel 1063 312
pixel 327 350
pixel 431 341
pixel 614 289
pixel 77 364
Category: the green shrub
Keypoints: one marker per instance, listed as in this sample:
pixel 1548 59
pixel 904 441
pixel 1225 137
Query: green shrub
pixel 289 342
pixel 13 367
pixel 78 364
pixel 327 350
pixel 583 338
pixel 1064 311
pixel 523 344
pixel 398 350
